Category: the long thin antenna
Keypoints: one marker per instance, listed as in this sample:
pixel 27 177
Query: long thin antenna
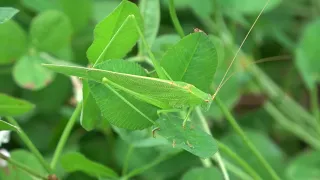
pixel 268 59
pixel 235 56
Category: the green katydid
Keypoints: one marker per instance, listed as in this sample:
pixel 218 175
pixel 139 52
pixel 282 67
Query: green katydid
pixel 163 93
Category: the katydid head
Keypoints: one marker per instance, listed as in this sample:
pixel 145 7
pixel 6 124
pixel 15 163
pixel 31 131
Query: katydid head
pixel 205 105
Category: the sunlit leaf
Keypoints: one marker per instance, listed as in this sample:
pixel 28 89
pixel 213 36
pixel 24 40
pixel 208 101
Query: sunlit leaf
pixel 77 162
pixel 163 42
pixel 117 30
pixel 191 138
pixel 7 13
pixel 10 106
pixel 13 42
pixel 193 60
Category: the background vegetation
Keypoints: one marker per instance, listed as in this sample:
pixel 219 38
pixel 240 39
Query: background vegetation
pixel 275 103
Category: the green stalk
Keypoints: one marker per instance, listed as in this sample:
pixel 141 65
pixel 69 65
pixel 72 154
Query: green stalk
pixel 175 19
pixel 126 162
pixel 23 136
pixel 242 162
pixel 292 127
pixel 236 171
pixel 315 103
pixel 65 135
pixel 245 139
pixel 156 63
pixel 23 167
pixel 217 156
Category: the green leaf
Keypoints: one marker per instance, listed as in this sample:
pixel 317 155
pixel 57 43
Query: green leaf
pixel 29 74
pixel 13 42
pixel 72 162
pixel 90 114
pixel 7 13
pixel 10 106
pixel 304 166
pixel 115 36
pixel 27 159
pixel 247 6
pixel 268 149
pixel 80 15
pixel 164 42
pixel 150 10
pixel 116 110
pixel 7 126
pixel 50 31
pixel 161 93
pixel 202 174
pixel 308 54
pixel 191 138
pixel 193 60
pixel 103 8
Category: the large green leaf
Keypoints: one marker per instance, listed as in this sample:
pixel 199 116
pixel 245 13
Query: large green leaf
pixel 80 15
pixel 77 162
pixel 13 42
pixel 161 93
pixel 269 150
pixel 115 36
pixel 29 74
pixel 308 54
pixel 191 138
pixel 116 110
pixel 27 159
pixel 193 60
pixel 150 10
pixel 7 13
pixel 10 106
pixel 247 6
pixel 304 166
pixel 202 174
pixel 51 31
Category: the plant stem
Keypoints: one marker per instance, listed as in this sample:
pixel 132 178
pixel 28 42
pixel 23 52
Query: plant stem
pixel 315 103
pixel 23 136
pixel 155 63
pixel 150 165
pixel 237 171
pixel 175 19
pixel 22 167
pixel 217 155
pixel 245 139
pixel 65 135
pixel 242 162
